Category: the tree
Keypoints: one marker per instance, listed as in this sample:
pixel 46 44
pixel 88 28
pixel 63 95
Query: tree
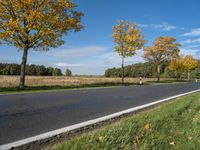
pixel 189 64
pixel 68 72
pixel 14 69
pixel 36 24
pixel 57 72
pixel 140 69
pixel 31 69
pixel 49 71
pixel 177 67
pixel 40 70
pixel 196 73
pixel 128 40
pixel 164 49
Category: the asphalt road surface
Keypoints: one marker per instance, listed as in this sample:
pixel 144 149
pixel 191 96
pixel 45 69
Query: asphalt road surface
pixel 26 115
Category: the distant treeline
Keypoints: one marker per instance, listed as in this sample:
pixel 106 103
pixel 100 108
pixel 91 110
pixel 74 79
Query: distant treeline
pixel 34 70
pixel 148 70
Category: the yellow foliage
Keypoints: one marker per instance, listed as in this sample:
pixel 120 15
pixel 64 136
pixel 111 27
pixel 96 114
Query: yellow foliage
pixel 36 23
pixel 163 49
pixel 189 63
pixel 176 65
pixel 183 64
pixel 128 38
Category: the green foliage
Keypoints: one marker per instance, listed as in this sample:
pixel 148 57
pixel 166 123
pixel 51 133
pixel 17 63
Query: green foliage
pixel 148 70
pixel 33 70
pixel 50 71
pixel 68 72
pixel 9 69
pixel 135 70
pixel 57 72
pixel 40 70
pixel 196 73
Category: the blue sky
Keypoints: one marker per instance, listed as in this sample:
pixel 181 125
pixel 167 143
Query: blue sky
pixel 90 51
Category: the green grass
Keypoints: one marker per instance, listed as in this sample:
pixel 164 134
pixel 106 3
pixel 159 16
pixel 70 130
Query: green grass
pixel 34 89
pixel 173 125
pixel 169 81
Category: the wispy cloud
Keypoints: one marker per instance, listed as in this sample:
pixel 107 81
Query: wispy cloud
pixel 63 64
pixel 193 32
pixel 191 41
pixel 98 65
pixel 193 46
pixel 163 26
pixel 78 52
pixel 114 60
pixel 190 51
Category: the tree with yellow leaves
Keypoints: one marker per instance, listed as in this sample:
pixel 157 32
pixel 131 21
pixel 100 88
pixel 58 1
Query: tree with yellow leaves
pixel 36 24
pixel 177 67
pixel 189 64
pixel 183 64
pixel 164 49
pixel 128 40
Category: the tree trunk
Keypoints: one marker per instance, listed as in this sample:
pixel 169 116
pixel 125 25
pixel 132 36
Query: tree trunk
pixel 188 75
pixel 122 70
pixel 23 69
pixel 158 73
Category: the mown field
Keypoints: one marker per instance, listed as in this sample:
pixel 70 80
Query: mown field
pixel 172 126
pixel 34 81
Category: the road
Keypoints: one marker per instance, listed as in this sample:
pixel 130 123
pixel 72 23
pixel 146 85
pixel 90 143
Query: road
pixel 26 115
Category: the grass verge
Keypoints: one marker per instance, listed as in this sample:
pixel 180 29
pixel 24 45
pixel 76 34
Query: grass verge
pixel 34 89
pixel 173 125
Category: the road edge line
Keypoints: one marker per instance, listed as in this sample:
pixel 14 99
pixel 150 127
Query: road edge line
pixel 57 132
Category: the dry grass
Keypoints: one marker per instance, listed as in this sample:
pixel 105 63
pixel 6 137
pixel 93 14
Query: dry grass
pixel 13 81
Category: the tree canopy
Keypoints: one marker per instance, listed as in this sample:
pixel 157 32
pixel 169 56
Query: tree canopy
pixel 164 49
pixel 183 64
pixel 37 24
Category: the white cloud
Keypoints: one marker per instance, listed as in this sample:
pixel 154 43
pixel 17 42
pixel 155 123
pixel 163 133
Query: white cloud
pixel 114 60
pixel 163 26
pixel 193 32
pixel 78 52
pixel 62 64
pixel 193 47
pixel 191 41
pixel 194 52
pixel 98 65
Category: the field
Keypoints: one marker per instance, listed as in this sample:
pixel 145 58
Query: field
pixel 34 81
pixel 174 125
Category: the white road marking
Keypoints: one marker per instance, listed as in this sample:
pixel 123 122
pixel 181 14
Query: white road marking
pixel 86 123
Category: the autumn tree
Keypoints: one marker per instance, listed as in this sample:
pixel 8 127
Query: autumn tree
pixel 189 64
pixel 37 25
pixel 164 49
pixel 177 66
pixel 128 40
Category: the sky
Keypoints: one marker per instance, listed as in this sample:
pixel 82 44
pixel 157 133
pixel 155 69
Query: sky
pixel 91 51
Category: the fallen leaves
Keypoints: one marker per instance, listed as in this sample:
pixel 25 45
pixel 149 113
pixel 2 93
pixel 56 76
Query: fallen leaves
pixel 147 126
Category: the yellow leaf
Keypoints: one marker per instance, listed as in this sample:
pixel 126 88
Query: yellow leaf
pixel 147 126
